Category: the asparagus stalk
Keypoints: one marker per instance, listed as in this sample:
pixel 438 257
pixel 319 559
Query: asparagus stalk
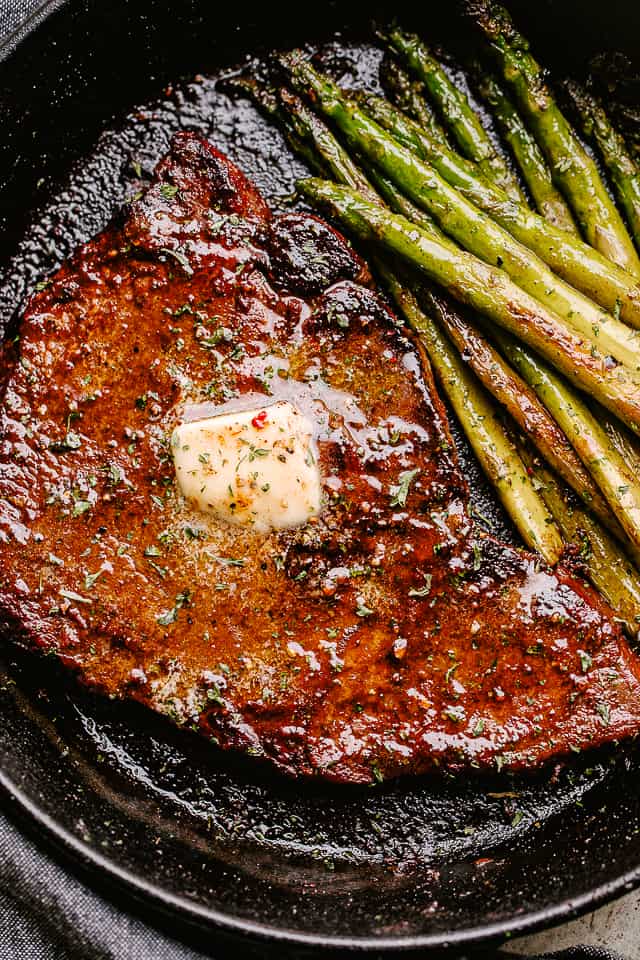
pixel 506 386
pixel 430 185
pixel 522 404
pixel 588 438
pixel 473 140
pixel 317 138
pixel 610 335
pixel 628 117
pixel 479 418
pixel 614 151
pixel 472 228
pixel 270 103
pixel 533 167
pixel 486 289
pixel 606 565
pixel 564 252
pixel 407 95
pixel 625 443
pixel 571 166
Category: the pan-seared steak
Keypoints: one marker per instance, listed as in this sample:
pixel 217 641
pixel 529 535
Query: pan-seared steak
pixel 381 636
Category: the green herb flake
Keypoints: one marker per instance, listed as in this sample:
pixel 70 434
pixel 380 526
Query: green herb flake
pixel 168 191
pixel 71 595
pixel 71 442
pixel 363 611
pixel 213 694
pixel 170 616
pixel 400 492
pixel 585 661
pixel 180 258
pixel 91 579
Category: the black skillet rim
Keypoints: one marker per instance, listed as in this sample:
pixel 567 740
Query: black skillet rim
pixel 66 846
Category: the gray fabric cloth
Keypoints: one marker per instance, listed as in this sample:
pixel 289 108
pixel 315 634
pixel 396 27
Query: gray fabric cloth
pixel 46 913
pixel 20 17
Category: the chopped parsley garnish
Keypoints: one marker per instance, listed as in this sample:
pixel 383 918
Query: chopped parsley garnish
pixel 71 595
pixel 71 442
pixel 255 452
pixel 585 660
pixel 168 191
pixel 170 616
pixel 213 693
pixel 400 492
pixel 363 611
pixel 91 579
pixel 180 257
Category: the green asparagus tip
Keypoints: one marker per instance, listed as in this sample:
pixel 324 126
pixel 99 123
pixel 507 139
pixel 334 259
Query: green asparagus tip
pixel 261 94
pixel 583 102
pixel 292 60
pixel 496 22
pixel 383 31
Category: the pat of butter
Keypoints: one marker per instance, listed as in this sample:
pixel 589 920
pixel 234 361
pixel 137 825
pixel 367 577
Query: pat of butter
pixel 255 467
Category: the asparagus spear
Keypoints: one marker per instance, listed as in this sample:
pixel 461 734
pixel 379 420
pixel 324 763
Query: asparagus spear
pixel 587 436
pixel 316 137
pixel 480 421
pixel 607 567
pixel 520 401
pixel 473 140
pixel 568 256
pixel 571 166
pixel 615 153
pixel 533 167
pixel 270 102
pixel 565 253
pixel 462 220
pixel 486 289
pixel 506 386
pixel 625 443
pixel 407 95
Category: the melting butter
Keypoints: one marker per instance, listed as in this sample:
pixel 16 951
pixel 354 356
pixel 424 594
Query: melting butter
pixel 256 467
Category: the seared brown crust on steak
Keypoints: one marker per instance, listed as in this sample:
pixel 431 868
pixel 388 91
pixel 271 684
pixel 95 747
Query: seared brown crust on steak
pixel 381 638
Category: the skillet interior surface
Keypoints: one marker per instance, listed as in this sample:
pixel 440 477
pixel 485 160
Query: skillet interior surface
pixel 90 100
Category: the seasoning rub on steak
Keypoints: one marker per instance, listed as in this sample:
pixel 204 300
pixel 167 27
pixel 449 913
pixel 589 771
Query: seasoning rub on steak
pixel 380 634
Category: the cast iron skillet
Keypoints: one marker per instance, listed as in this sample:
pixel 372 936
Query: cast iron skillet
pixel 215 841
